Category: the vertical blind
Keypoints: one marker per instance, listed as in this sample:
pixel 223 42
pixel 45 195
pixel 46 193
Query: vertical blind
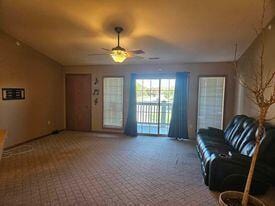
pixel 211 102
pixel 113 102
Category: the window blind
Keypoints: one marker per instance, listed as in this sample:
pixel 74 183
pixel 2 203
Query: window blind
pixel 211 102
pixel 113 102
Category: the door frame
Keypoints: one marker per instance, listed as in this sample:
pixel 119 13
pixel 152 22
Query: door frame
pixel 149 77
pixel 224 99
pixel 90 91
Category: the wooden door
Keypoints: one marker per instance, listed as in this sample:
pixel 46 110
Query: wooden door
pixel 78 102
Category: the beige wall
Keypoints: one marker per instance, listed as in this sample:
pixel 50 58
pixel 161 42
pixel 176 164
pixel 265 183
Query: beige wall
pixel 194 69
pixel 247 64
pixel 43 80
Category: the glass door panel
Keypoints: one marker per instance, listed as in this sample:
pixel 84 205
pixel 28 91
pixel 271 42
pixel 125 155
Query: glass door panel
pixel 167 87
pixel 154 105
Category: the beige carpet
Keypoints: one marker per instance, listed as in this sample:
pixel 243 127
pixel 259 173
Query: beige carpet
pixel 102 169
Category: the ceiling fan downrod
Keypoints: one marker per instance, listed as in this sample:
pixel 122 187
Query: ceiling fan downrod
pixel 118 30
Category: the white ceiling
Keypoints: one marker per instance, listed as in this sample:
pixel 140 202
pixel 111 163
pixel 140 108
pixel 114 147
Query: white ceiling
pixel 176 31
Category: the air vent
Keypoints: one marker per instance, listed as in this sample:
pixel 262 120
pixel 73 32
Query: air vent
pixel 154 58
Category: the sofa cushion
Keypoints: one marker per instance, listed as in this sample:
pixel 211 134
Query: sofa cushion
pixel 267 145
pixel 244 134
pixel 209 145
pixel 232 126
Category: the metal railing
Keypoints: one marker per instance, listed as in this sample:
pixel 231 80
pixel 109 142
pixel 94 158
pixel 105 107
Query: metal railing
pixel 148 114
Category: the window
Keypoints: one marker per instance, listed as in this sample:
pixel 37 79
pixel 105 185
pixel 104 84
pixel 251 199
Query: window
pixel 211 102
pixel 113 102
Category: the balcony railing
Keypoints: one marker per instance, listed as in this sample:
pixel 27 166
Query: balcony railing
pixel 152 121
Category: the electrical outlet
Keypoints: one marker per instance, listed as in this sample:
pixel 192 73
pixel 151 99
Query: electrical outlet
pixel 49 122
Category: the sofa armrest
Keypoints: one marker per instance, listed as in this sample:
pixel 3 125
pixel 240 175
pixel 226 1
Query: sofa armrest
pixel 222 167
pixel 211 131
pixel 216 130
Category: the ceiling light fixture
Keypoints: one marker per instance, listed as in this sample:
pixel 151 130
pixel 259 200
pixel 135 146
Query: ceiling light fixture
pixel 119 54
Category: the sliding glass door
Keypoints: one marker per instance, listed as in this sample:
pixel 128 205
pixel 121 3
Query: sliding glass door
pixel 154 105
pixel 211 102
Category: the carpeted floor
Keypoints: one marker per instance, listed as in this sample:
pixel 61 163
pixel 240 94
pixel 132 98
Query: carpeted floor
pixel 75 168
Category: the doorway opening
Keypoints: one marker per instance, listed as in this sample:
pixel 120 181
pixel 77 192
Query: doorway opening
pixel 154 105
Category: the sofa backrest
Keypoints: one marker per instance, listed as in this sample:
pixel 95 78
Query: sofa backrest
pixel 244 133
pixel 233 127
pixel 241 136
pixel 247 136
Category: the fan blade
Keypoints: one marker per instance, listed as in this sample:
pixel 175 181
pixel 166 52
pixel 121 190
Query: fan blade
pixel 139 51
pixel 97 54
pixel 153 58
pixel 106 49
pixel 130 55
pixel 136 57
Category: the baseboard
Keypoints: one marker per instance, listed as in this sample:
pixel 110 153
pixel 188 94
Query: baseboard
pixel 36 138
pixel 108 132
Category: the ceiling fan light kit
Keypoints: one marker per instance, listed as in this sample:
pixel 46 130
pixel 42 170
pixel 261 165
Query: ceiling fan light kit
pixel 118 54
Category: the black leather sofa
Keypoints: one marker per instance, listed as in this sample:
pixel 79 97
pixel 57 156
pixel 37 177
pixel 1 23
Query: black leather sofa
pixel 225 156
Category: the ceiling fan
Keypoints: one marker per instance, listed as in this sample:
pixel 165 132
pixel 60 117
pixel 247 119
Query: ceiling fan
pixel 118 53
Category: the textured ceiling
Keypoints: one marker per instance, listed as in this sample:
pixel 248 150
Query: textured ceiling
pixel 177 31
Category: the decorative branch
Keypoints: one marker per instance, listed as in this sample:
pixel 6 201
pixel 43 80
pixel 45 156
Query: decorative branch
pixel 257 86
pixel 269 119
